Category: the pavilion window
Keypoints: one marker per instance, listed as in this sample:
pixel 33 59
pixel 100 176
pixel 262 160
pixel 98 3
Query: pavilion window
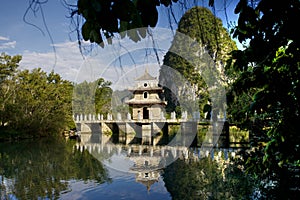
pixel 145 95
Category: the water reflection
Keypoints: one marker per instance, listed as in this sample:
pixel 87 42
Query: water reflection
pixel 187 173
pixel 127 157
pixel 32 170
pixel 94 169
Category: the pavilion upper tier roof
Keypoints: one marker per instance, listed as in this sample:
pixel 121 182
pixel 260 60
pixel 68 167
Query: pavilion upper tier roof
pixel 145 76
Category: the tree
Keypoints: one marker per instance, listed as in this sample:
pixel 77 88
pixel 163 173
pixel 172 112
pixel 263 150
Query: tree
pixel 41 104
pixel 268 71
pixel 200 47
pixel 35 103
pixel 8 68
pixel 103 97
pixel 92 97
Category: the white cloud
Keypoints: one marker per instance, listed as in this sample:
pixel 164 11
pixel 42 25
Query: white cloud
pixel 8 45
pixel 5 43
pixel 65 60
pixel 4 38
pixel 116 62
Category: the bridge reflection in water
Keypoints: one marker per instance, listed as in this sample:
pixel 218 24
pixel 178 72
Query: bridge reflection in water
pixel 146 161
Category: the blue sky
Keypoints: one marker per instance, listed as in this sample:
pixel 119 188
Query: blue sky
pixel 28 37
pixel 37 47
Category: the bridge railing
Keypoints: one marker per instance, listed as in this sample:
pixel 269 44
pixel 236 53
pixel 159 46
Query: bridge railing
pixel 118 118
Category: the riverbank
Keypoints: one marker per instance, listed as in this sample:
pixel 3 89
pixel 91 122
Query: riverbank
pixel 9 135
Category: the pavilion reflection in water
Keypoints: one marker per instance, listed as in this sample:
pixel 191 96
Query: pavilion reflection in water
pixel 148 161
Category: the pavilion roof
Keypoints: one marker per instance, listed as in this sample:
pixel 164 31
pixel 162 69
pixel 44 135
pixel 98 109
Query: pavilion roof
pixel 145 76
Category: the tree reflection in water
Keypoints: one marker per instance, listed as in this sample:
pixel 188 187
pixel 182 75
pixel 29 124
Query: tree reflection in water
pixel 41 169
pixel 206 178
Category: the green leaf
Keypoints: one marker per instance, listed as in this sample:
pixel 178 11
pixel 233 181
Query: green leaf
pixel 96 5
pixel 123 10
pixel 165 2
pixel 85 30
pixel 207 108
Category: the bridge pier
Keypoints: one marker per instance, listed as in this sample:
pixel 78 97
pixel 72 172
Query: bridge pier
pixel 188 132
pixel 159 132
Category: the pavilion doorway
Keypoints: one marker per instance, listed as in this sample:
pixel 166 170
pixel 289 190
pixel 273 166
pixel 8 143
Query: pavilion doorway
pixel 145 113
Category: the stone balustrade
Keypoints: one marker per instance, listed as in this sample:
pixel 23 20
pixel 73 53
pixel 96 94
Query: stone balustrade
pixel 118 117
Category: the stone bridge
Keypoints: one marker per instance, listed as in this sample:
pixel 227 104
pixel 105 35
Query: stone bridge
pixel 152 131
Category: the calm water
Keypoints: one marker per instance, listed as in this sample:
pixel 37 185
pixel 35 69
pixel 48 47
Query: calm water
pixel 102 170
